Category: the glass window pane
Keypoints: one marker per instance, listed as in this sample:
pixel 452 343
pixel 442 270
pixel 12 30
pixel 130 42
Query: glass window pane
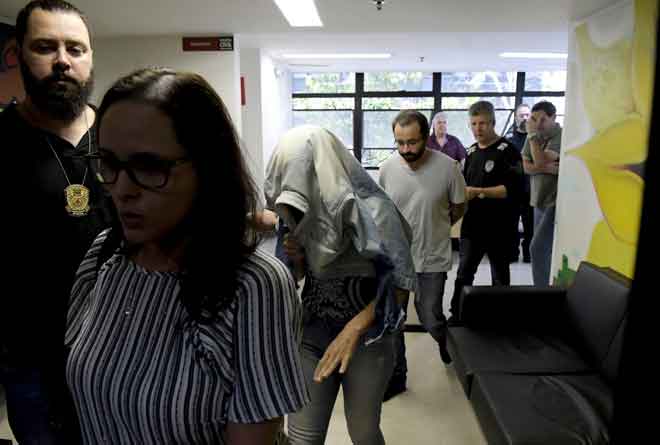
pixel 323 82
pixel 338 122
pixel 481 82
pixel 378 128
pixel 402 81
pixel 545 81
pixel 458 124
pixel 460 103
pixel 397 103
pixel 323 103
pixel 503 120
pixel 373 158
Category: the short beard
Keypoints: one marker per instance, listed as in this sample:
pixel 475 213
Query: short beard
pixel 412 157
pixel 60 101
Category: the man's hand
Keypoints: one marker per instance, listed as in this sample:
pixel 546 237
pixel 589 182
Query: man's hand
pixel 551 167
pixel 296 254
pixel 550 155
pixel 456 212
pixel 472 192
pixel 532 125
pixel 292 248
pixel 263 220
pixel 339 353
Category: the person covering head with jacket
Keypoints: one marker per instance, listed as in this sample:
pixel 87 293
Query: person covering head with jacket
pixel 355 246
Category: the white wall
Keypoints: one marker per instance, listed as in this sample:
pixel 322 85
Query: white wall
pixel 276 104
pixel 251 114
pixel 7 20
pixel 114 57
pixel 267 112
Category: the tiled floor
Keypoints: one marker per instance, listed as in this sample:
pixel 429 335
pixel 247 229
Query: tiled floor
pixel 5 433
pixel 434 410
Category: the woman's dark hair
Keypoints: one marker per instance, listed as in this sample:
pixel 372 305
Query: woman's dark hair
pixel 221 237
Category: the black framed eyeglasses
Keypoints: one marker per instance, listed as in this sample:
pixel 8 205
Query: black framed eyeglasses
pixel 146 170
pixel 409 143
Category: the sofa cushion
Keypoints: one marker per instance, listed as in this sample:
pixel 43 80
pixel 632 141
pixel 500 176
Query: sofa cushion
pixel 475 351
pixel 513 308
pixel 536 410
pixel 597 304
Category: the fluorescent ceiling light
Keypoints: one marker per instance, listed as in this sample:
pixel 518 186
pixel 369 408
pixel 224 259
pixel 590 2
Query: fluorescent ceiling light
pixel 299 12
pixel 338 56
pixel 534 55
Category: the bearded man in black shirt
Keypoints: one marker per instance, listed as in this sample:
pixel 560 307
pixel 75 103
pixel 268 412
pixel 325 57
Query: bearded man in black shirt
pixel 54 208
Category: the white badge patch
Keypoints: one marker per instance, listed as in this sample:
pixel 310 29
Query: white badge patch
pixel 502 146
pixel 490 164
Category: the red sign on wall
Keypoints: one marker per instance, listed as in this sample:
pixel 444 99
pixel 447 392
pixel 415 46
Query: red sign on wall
pixel 223 43
pixel 242 90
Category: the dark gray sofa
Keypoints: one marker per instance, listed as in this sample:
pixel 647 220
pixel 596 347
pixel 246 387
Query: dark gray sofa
pixel 539 365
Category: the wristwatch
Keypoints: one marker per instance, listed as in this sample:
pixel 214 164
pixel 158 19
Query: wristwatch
pixel 481 195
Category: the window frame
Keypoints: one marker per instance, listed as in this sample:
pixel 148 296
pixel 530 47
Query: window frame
pixel 437 94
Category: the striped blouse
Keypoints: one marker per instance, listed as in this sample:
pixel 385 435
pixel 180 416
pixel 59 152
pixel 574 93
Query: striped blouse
pixel 142 371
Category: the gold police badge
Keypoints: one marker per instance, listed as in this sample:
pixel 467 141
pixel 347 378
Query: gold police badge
pixel 77 199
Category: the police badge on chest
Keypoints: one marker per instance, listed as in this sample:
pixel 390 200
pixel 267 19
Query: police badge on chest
pixel 488 167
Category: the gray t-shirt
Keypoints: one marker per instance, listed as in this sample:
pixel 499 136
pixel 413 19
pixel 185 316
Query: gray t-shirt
pixel 543 186
pixel 423 196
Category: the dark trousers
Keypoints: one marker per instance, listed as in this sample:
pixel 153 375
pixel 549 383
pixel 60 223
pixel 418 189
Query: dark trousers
pixel 38 413
pixel 472 250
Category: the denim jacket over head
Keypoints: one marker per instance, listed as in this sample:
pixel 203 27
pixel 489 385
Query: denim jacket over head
pixel 350 226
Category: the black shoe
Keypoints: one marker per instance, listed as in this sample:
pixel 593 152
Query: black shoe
pixel 444 353
pixel 396 386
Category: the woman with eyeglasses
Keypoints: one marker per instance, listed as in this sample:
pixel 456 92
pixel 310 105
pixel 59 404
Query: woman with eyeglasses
pixel 185 334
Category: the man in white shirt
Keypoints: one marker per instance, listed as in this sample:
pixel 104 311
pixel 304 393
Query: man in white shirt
pixel 429 190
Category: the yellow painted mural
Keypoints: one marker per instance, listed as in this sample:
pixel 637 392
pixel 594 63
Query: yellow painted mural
pixel 616 89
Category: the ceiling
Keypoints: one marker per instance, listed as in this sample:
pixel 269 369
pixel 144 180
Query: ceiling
pixel 426 35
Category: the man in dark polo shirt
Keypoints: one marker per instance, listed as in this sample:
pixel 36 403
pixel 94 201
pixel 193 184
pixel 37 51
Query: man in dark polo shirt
pixel 54 209
pixel 493 175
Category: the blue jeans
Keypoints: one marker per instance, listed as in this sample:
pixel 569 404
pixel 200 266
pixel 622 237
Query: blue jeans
pixel 541 247
pixel 28 406
pixel 363 386
pixel 428 304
